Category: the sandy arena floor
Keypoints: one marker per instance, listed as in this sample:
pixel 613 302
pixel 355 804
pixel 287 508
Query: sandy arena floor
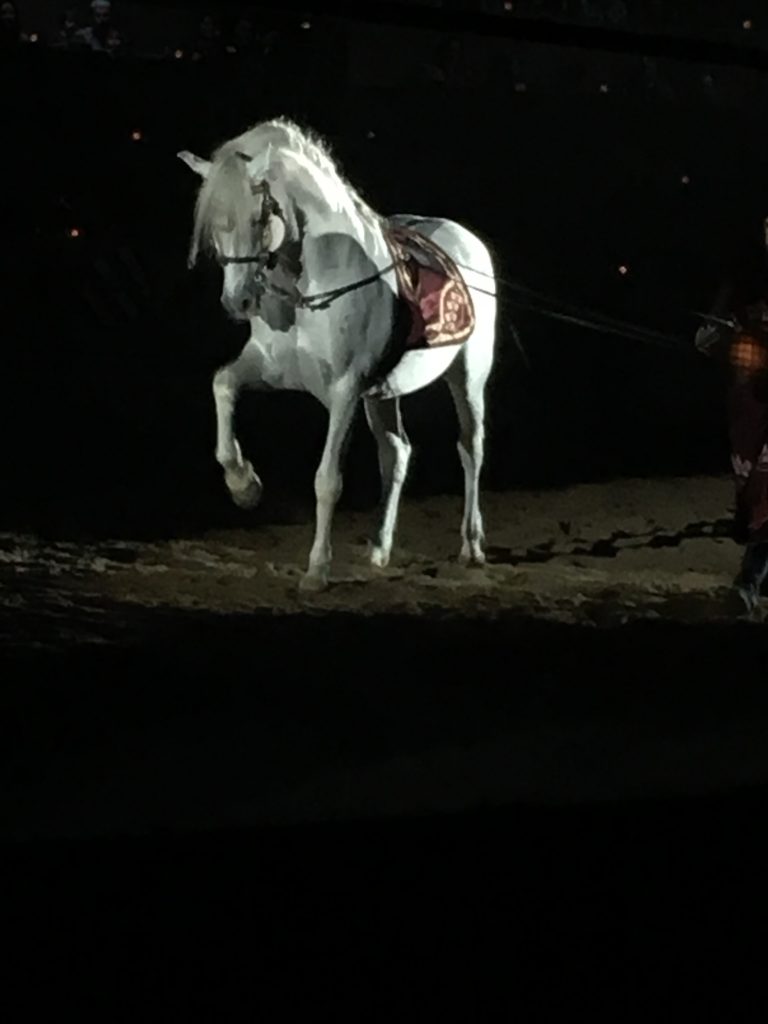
pixel 593 555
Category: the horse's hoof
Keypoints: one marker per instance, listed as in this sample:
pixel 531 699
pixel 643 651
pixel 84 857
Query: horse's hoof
pixel 314 581
pixel 380 558
pixel 244 486
pixel 472 558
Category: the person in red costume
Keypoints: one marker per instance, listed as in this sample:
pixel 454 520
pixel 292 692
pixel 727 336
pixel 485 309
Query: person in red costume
pixel 738 334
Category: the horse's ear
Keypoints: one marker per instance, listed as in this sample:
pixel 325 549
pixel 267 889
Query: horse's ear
pixel 198 165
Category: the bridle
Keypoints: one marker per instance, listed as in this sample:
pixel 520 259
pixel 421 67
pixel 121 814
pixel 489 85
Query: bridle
pixel 270 222
pixel 267 259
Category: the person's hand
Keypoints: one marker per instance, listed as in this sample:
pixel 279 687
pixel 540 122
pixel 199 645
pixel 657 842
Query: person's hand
pixel 707 338
pixel 711 336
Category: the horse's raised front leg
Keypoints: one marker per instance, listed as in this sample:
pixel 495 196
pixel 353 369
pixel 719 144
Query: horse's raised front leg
pixel 329 482
pixel 239 475
pixel 386 425
pixel 469 399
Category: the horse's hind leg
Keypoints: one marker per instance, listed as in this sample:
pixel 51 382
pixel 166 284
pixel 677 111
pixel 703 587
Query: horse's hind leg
pixel 386 425
pixel 240 476
pixel 468 392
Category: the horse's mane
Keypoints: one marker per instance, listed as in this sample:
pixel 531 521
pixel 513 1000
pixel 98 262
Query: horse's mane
pixel 226 192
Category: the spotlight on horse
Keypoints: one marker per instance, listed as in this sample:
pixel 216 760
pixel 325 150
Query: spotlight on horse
pixel 323 280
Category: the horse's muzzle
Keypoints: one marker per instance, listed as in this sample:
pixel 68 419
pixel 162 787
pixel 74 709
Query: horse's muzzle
pixel 241 308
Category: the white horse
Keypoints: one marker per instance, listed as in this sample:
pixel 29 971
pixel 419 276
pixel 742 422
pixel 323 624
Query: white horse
pixel 286 226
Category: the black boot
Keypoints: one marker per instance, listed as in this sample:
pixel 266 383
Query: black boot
pixel 754 569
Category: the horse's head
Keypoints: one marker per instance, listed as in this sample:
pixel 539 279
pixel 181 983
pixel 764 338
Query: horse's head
pixel 241 221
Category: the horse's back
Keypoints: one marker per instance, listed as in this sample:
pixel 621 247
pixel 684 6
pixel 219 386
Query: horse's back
pixel 464 247
pixel 418 368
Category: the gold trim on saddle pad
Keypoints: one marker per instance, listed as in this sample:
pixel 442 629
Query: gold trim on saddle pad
pixel 442 312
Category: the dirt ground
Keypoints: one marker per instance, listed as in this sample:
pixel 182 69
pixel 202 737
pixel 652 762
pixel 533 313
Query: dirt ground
pixel 601 554
pixel 184 683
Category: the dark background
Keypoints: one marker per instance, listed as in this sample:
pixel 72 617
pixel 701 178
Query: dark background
pixel 110 342
pixel 106 412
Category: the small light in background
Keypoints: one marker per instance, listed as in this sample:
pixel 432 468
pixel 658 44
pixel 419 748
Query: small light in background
pixel 521 87
pixel 370 135
pixel 604 87
pixel 136 136
pixel 747 24
pixel 685 179
pixel 623 270
pixel 74 232
pixel 508 5
pixel 34 37
pixel 306 24
pixel 178 54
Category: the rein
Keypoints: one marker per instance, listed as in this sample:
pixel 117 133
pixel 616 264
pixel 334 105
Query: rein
pixel 322 300
pixel 579 315
pixel 576 315
pixel 263 258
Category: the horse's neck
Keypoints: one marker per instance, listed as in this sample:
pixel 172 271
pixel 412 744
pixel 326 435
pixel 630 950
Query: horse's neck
pixel 339 222
pixel 322 219
pixel 366 252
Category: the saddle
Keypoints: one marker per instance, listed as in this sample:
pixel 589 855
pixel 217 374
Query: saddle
pixel 438 300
